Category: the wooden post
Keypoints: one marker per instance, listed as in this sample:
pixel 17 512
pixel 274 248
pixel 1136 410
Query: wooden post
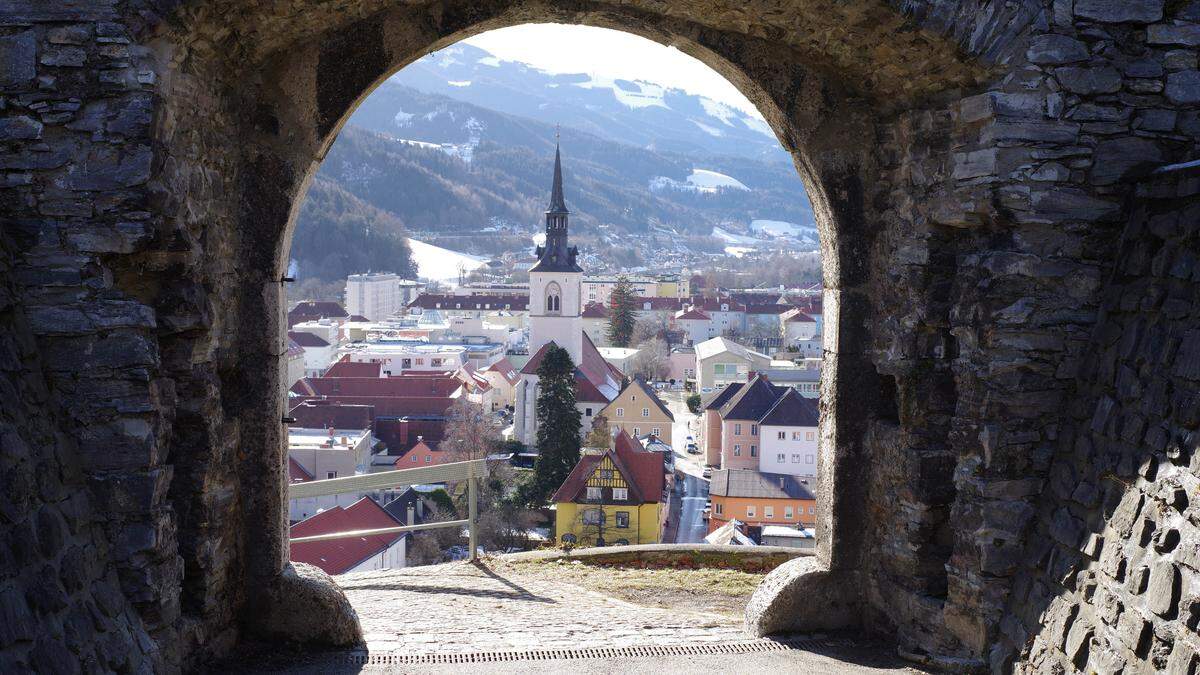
pixel 472 511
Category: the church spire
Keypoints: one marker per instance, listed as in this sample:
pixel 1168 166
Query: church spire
pixel 556 192
pixel 557 255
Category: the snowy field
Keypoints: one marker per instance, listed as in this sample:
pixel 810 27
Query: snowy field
pixel 441 264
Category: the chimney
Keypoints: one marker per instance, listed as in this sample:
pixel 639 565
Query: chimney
pixel 782 486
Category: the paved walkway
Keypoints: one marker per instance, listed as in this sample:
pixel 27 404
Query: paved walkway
pixel 461 617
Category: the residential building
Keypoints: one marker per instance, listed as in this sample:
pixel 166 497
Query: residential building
pixel 318 353
pixel 788 537
pixel 710 426
pixel 599 288
pixel 478 306
pixel 400 356
pixel 503 377
pixel 323 454
pixel 595 323
pixel 616 497
pixel 555 318
pixel 683 365
pixel 759 499
pixel 741 438
pixel 637 411
pixel 696 325
pixel 313 310
pixel 796 326
pixel 422 454
pixel 295 362
pixel 621 358
pixel 788 432
pixel 329 330
pixel 350 554
pixel 379 295
pixel 721 361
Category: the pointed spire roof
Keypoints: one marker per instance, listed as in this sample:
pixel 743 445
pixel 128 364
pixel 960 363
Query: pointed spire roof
pixel 557 205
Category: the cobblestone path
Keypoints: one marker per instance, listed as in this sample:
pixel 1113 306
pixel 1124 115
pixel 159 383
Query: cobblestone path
pixel 465 607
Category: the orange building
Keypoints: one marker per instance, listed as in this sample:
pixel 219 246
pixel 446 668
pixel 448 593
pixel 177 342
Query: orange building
pixel 423 455
pixel 758 499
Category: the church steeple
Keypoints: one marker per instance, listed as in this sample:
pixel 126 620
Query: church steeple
pixel 556 192
pixel 556 255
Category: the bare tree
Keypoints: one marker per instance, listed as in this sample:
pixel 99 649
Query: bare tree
pixel 470 432
pixel 599 436
pixel 648 328
pixel 652 362
pixel 427 547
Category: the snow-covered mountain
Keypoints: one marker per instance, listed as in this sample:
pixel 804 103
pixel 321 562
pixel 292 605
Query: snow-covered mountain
pixel 633 112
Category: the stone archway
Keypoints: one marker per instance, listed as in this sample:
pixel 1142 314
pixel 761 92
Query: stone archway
pixel 964 162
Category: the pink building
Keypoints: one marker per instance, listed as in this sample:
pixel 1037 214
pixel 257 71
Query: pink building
pixel 740 444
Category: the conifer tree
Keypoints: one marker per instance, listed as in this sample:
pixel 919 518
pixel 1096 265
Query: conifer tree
pixel 558 423
pixel 622 313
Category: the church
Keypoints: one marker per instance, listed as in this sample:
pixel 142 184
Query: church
pixel 555 308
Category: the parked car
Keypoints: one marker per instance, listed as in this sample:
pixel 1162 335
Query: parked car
pixel 708 472
pixel 693 449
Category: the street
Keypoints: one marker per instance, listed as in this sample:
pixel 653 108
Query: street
pixel 691 492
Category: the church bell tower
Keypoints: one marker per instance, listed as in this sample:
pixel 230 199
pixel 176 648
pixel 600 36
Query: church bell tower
pixel 555 280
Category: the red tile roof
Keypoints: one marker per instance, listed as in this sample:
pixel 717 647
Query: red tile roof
pixel 770 308
pixel 506 370
pixel 592 373
pixel 310 310
pixel 642 470
pixel 472 302
pixel 319 414
pixel 798 316
pixel 337 556
pixel 347 368
pixel 398 385
pixel 694 314
pixel 297 473
pixel 594 310
pixel 394 406
pixel 307 339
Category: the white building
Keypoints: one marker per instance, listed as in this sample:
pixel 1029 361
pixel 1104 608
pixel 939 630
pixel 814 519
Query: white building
pixel 788 432
pixel 398 356
pixel 599 288
pixel 721 361
pixel 555 317
pixel 796 327
pixel 696 325
pixel 318 353
pixel 321 454
pixel 379 295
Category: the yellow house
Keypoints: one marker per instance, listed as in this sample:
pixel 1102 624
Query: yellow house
pixel 638 411
pixel 613 498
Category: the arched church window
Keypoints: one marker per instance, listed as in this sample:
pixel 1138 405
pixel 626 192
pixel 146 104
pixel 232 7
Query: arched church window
pixel 553 298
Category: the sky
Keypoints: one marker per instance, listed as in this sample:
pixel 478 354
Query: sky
pixel 559 48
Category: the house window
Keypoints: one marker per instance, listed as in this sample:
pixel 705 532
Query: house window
pixel 753 429
pixel 621 542
pixel 656 431
pixel 751 512
pixel 737 450
pixel 587 411
pixel 795 435
pixel 737 429
pixel 593 517
pixel 781 458
pixel 606 473
pixel 645 412
pixel 720 508
pixel 593 493
pixel 622 519
pixel 620 412
pixel 568 538
pixel 808 458
pixel 796 458
pixel 428 459
pixel 415 458
pixel 331 474
pixel 808 436
pixel 789 513
pixel 637 431
pixel 768 512
pixel 754 451
pixel 621 494
pixel 812 510
pixel 783 435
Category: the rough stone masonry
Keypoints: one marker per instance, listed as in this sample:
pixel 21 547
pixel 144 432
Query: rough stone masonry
pixel 1009 404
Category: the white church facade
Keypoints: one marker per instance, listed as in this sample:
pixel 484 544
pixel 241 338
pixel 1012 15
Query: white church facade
pixel 555 317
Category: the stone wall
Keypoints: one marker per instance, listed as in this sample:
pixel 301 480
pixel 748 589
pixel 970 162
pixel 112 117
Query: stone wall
pixel 1111 578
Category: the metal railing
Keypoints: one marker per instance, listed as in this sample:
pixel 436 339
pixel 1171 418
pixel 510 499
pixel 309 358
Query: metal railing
pixel 470 471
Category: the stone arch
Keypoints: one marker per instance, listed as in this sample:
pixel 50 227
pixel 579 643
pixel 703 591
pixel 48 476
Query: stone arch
pixel 966 163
